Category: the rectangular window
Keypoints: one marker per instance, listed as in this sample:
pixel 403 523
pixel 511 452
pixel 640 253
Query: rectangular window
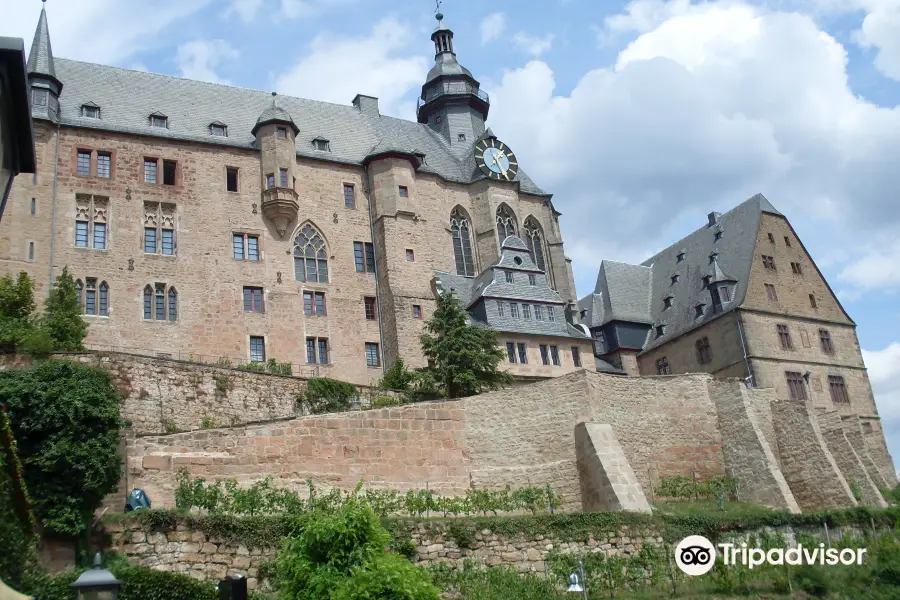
pixel 825 341
pixel 320 304
pixel 545 357
pixel 410 255
pixel 787 241
pixel 796 269
pixel 218 130
pixel 150 240
pixel 231 179
pixel 784 336
pixel 39 97
pixel 104 163
pixel 253 299
pixel 150 170
pixel 526 311
pixel 796 385
pixel 237 243
pixel 771 294
pixel 281 134
pixel 554 355
pixel 511 352
pixel 160 302
pixel 532 280
pixel 81 234
pixel 804 338
pixel 104 300
pixel 158 121
pixel 90 297
pixel 514 310
pixel 500 310
pixel 724 294
pixel 33 206
pixel 100 235
pixel 771 238
pixel 30 250
pixel 768 262
pixel 416 311
pixel 370 257
pixel 169 172
pixel 270 181
pixel 538 313
pixel 311 350
pixel 373 359
pixel 257 348
pixel 576 356
pixel 704 354
pixel 168 242
pixel 404 191
pixel 84 163
pixel 812 301
pixel 371 309
pixel 838 390
pixel 523 354
pixel 307 303
pixel 253 248
pixel 364 256
pixel 323 351
pixel 283 177
pixel 349 196
pixel 550 314
pixel 509 276
pixel 662 366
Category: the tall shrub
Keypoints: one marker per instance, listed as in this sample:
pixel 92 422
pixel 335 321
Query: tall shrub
pixel 62 320
pixel 65 418
pixel 16 306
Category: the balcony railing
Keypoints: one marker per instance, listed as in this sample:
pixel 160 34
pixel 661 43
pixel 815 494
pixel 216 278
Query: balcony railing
pixel 452 88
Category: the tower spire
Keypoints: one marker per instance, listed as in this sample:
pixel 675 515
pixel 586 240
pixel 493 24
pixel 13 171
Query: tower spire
pixel 45 85
pixel 40 59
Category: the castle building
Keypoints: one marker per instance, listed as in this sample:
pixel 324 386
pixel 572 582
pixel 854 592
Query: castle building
pixel 739 297
pixel 214 221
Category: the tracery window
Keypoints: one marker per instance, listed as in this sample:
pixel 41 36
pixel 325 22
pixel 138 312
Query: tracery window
pixel 310 256
pixel 506 222
pixel 535 242
pixel 156 306
pixel 460 230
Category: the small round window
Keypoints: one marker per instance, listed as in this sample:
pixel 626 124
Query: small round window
pixel 517 260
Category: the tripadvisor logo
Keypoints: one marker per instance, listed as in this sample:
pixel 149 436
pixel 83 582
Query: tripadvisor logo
pixel 696 555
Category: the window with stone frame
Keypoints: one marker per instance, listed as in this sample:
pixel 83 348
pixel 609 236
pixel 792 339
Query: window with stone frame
pixel 91 220
pixel 373 356
pixel 511 352
pixel 576 356
pixel 231 179
pixel 310 256
pixel 151 168
pixel 825 341
pixel 704 353
pixel 523 353
pixel 771 237
pixel 370 305
pixel 364 257
pixel 254 299
pixel 784 336
pixel 771 293
pixel 281 133
pixel 317 350
pixel 838 390
pixel 410 255
pixel 160 302
pixel 554 355
pixel 314 304
pixel 245 246
pixel 787 241
pixel 83 163
pixel 460 234
pixel 349 196
pixel 417 311
pixel 159 228
pixel 257 349
pixel 796 385
pixel 662 366
pixel 812 301
pixel 404 191
pixel 796 269
pixel 545 356
pixel 93 299
pixel 170 170
pixel 534 239
pixel 506 222
pixel 104 164
pixel 283 177
pixel 768 262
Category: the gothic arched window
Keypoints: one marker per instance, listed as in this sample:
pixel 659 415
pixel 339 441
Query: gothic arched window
pixel 148 302
pixel 506 222
pixel 173 304
pixel 534 239
pixel 460 230
pixel 79 288
pixel 310 256
pixel 104 299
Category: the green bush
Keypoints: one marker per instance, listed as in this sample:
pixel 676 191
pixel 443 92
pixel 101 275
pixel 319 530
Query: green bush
pixel 273 366
pixel 62 320
pixel 324 395
pixel 16 306
pixel 386 577
pixel 65 418
pixel 384 401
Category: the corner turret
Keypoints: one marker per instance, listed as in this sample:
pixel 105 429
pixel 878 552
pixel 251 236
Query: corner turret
pixel 275 133
pixel 44 86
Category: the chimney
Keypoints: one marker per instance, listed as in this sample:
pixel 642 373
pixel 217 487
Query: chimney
pixel 714 218
pixel 367 105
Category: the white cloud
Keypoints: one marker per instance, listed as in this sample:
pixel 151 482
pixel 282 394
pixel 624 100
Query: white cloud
pixel 881 30
pixel 337 68
pixel 711 104
pixel 102 31
pixel 884 375
pixel 492 27
pixel 296 9
pixel 878 268
pixel 245 9
pixel 200 59
pixel 532 44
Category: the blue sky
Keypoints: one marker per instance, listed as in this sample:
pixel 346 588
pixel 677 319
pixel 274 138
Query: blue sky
pixel 640 117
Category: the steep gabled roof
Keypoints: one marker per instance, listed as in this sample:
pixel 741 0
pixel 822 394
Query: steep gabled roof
pixel 40 59
pixel 625 292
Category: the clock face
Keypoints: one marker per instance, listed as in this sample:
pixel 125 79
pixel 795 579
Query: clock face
pixel 496 160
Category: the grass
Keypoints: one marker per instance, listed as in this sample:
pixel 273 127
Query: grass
pixel 705 508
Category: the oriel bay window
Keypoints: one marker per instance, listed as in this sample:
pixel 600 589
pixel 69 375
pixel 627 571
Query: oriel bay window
pixel 159 228
pixel 160 302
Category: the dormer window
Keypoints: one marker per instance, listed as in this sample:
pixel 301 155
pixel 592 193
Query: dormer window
pixel 717 236
pixel 675 278
pixel 699 310
pixel 706 279
pixel 39 97
pixel 90 111
pixel 159 120
pixel 712 257
pixel 218 129
pixel 667 302
pixel 322 145
pixel 660 330
pixel 679 257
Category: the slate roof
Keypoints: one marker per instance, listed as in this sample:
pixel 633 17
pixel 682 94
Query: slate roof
pixel 127 98
pixel 624 291
pixel 40 59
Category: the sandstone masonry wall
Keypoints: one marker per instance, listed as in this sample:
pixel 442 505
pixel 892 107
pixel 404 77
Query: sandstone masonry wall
pixel 846 458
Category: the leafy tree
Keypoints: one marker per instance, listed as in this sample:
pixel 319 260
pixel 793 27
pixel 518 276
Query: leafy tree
pixel 65 417
pixel 466 358
pixel 16 306
pixel 62 320
pixel 340 556
pixel 398 377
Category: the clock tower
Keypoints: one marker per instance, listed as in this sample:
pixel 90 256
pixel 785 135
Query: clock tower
pixel 452 102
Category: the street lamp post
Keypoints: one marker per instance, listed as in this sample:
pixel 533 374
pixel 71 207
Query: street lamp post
pixel 96 584
pixel 576 583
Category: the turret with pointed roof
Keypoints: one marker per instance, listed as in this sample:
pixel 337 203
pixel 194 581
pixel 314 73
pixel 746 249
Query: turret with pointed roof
pixel 45 86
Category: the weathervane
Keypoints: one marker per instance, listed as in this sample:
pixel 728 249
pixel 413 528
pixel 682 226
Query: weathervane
pixel 437 11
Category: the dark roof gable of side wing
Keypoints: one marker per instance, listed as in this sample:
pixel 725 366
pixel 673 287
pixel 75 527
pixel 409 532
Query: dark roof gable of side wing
pixel 126 98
